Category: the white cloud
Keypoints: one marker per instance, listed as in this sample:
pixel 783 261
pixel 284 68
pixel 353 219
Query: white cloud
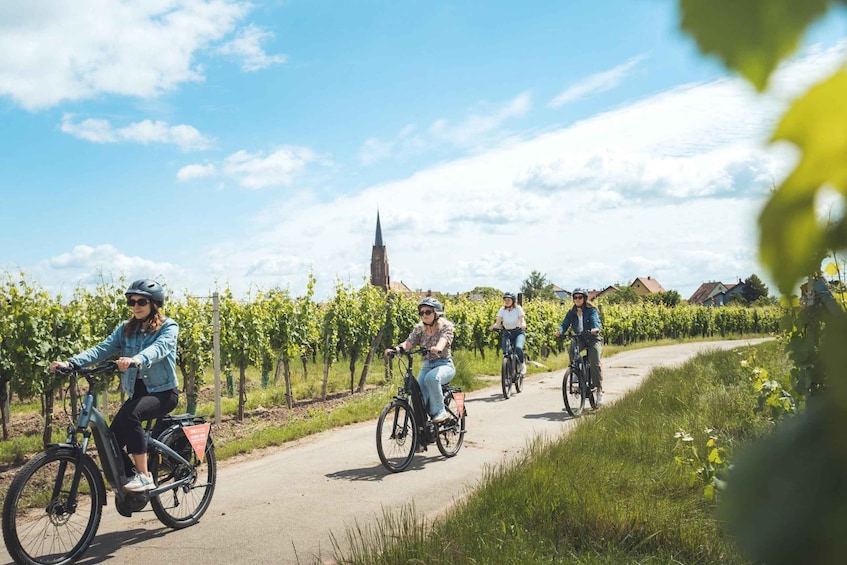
pixel 183 136
pixel 190 172
pixel 247 47
pixel 596 83
pixel 51 51
pixel 277 169
pixel 480 129
pixel 86 264
pixel 668 187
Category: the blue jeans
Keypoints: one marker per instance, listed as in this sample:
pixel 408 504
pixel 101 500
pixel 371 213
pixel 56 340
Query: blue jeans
pixel 518 338
pixel 434 374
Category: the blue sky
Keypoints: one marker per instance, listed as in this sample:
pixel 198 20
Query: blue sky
pixel 219 142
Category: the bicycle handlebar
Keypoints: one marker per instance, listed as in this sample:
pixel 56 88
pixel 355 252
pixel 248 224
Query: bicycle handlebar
pixel 416 351
pixel 74 369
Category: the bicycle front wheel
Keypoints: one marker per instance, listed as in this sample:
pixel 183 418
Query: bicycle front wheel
pixel 506 377
pixel 41 525
pixel 573 393
pixel 451 433
pixel 183 505
pixel 396 436
pixel 519 378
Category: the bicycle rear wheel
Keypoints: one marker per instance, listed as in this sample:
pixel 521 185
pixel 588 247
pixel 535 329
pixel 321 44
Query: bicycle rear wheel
pixel 39 524
pixel 451 433
pixel 183 506
pixel 396 436
pixel 506 377
pixel 573 393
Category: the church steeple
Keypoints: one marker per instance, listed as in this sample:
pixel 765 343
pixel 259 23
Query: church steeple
pixel 378 240
pixel 379 260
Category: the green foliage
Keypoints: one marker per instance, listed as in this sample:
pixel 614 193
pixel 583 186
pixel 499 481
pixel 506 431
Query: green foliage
pixel 751 37
pixel 786 500
pixel 536 286
pixel 624 295
pixel 754 289
pixel 709 468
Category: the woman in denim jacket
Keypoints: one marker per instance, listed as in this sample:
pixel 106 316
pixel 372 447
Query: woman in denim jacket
pixel 583 317
pixel 146 349
pixel 435 334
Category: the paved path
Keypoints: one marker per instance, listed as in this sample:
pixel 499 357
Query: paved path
pixel 283 506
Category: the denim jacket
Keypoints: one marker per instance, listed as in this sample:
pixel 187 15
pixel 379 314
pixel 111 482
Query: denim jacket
pixel 590 319
pixel 155 354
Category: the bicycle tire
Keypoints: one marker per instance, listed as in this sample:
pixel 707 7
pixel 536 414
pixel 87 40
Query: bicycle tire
pixel 396 436
pixel 519 378
pixel 183 506
pixel 37 527
pixel 573 394
pixel 506 377
pixel 589 388
pixel 451 434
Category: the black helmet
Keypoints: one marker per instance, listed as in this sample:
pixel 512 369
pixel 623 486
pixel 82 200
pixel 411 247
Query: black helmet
pixel 148 288
pixel 509 295
pixel 581 291
pixel 432 303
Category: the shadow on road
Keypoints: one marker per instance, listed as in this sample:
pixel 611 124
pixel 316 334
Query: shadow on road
pixel 551 416
pixel 378 472
pixel 104 546
pixel 495 397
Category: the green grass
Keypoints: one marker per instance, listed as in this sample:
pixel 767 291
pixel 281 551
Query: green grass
pixel 609 492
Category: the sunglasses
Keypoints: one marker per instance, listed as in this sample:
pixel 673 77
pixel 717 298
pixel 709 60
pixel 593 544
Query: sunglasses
pixel 579 297
pixel 425 312
pixel 140 302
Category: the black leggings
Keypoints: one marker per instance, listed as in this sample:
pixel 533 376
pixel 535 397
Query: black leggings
pixel 126 426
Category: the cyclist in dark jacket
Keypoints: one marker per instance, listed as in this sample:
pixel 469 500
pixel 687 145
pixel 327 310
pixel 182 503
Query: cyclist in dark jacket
pixel 584 317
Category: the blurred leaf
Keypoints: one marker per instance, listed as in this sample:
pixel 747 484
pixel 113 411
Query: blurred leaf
pixel 787 494
pixel 793 242
pixel 750 36
pixel 831 269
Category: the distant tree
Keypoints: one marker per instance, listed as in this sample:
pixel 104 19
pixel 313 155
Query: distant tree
pixel 624 295
pixel 737 299
pixel 668 298
pixel 754 288
pixel 537 286
pixel 487 292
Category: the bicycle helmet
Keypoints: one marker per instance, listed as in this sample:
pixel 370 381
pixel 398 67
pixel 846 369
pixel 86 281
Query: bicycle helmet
pixel 432 303
pixel 149 288
pixel 581 291
pixel 509 295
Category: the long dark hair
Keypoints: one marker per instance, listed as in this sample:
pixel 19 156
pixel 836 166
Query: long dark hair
pixel 150 324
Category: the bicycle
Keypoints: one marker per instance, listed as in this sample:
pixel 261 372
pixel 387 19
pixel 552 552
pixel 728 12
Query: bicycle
pixel 509 373
pixel 404 423
pixel 55 502
pixel 577 384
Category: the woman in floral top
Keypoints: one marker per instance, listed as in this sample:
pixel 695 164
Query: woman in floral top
pixel 435 334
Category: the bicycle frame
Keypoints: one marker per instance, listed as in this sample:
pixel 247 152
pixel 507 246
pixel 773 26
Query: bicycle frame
pixel 579 361
pixel 92 422
pixel 411 394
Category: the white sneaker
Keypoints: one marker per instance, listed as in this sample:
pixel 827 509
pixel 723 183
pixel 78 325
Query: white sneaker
pixel 522 369
pixel 140 483
pixel 441 417
pixel 599 398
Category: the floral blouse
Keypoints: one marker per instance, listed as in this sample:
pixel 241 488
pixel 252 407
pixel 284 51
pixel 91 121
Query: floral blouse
pixel 419 337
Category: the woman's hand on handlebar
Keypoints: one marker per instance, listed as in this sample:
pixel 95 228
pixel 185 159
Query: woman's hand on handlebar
pixel 58 366
pixel 124 363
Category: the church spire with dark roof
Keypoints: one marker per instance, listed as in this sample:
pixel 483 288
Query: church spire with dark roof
pixel 378 240
pixel 379 260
